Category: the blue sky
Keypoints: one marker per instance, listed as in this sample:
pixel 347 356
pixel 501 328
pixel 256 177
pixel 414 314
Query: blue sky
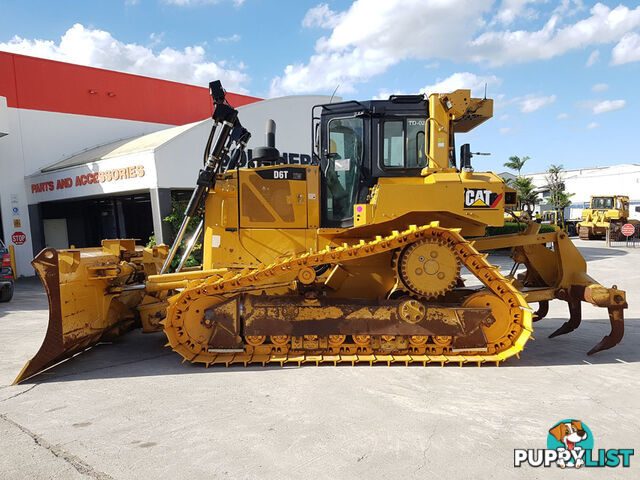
pixel 564 73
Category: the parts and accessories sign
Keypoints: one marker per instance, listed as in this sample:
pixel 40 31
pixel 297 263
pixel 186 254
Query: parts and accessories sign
pixel 102 176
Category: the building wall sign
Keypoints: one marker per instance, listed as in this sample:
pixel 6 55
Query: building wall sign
pixel 103 177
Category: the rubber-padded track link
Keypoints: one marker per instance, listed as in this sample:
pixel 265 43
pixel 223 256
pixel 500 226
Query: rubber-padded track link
pixel 223 287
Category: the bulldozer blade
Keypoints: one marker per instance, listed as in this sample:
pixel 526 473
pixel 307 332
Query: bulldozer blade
pixel 575 317
pixel 81 311
pixel 616 317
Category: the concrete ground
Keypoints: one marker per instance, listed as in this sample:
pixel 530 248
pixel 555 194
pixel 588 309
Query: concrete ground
pixel 130 410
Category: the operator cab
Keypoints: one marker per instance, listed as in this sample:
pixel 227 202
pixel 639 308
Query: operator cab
pixel 602 203
pixel 355 143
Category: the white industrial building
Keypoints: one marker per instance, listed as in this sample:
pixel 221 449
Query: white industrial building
pixel 87 153
pixel 583 183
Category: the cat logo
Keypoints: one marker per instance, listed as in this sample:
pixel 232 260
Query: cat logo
pixel 481 198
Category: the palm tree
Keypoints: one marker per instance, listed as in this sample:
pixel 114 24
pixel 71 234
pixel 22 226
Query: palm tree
pixel 508 181
pixel 527 194
pixel 516 163
pixel 557 196
pixel 555 169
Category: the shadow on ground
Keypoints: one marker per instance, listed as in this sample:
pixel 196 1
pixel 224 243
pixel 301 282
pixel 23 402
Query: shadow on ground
pixel 596 253
pixel 136 354
pixel 29 294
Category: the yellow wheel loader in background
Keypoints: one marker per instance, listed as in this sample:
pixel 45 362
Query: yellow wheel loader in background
pixel 604 213
pixel 356 258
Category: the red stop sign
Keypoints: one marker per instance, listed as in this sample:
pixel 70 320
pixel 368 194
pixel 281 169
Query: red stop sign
pixel 18 238
pixel 627 229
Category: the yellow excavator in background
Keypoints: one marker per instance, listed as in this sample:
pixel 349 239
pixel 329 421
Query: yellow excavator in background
pixel 373 253
pixel 605 213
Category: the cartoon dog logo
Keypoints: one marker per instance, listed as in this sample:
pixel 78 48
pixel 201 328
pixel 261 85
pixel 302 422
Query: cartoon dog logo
pixel 569 433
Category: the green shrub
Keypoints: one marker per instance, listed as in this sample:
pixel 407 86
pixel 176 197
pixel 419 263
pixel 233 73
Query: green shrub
pixel 178 207
pixel 513 227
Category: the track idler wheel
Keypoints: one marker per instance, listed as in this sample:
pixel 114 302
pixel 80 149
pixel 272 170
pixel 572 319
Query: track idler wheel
pixel 500 331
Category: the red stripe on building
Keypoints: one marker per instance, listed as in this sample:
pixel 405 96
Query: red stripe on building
pixel 40 84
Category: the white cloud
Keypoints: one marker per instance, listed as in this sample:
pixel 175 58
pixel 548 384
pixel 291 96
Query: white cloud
pixel 531 103
pixel 156 38
pixel 627 50
pixel 504 117
pixel 384 94
pixel 607 106
pixel 98 48
pixel 505 130
pixel 458 80
pixel 605 25
pixel 593 58
pixel 321 16
pixel 373 35
pixel 511 9
pixel 327 71
pixel 592 125
pixel 232 38
pixel 563 116
pixel 599 87
pixel 466 80
pixel 569 7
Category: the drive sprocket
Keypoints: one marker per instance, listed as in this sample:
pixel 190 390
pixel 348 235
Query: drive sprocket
pixel 428 268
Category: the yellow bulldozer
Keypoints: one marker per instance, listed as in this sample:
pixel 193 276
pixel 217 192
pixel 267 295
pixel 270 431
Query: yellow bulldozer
pixel 373 253
pixel 605 213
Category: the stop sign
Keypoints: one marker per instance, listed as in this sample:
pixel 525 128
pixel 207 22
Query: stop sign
pixel 627 229
pixel 18 238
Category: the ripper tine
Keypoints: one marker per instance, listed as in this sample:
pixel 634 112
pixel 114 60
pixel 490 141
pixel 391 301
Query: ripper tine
pixel 575 316
pixel 616 317
pixel 543 309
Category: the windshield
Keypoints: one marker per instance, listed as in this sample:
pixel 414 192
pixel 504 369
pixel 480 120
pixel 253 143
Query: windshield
pixel 602 202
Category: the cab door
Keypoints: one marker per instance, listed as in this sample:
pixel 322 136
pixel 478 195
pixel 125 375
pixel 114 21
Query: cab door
pixel 342 164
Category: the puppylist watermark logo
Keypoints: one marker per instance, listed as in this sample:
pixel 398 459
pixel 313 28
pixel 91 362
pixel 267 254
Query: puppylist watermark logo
pixel 570 445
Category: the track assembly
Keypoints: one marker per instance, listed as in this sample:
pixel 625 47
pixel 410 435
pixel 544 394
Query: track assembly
pixel 489 325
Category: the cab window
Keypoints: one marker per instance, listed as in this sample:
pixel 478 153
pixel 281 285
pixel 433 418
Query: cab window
pixel 602 203
pixel 342 172
pixel 403 143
